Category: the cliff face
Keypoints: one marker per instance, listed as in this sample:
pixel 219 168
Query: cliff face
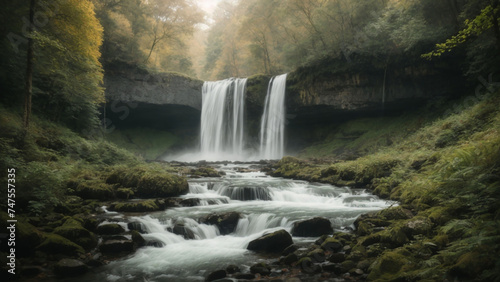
pixel 319 93
pixel 316 94
pixel 129 83
pixel 136 97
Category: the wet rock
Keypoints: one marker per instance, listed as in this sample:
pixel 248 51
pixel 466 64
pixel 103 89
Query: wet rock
pixel 110 229
pixel 70 267
pixel 312 227
pixel 364 264
pixel 231 269
pixel 275 242
pixel 184 231
pixel 321 240
pixel 154 243
pixel 317 255
pixel 289 259
pixel 308 266
pixel 218 274
pixel 260 268
pixel 244 276
pixel 193 202
pixel 138 239
pixel 290 249
pixel 332 245
pixel 226 222
pixel 337 258
pixel 117 246
pixel 332 267
pixel 137 226
pixel 346 266
pixel 172 202
pixel 74 231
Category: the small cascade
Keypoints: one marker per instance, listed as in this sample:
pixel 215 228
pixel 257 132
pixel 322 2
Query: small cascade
pixel 272 130
pixel 222 117
pixel 181 245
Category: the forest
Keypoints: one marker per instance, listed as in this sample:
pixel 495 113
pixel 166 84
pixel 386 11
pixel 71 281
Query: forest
pixel 389 124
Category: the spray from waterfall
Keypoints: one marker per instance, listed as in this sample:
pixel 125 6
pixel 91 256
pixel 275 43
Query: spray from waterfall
pixel 272 132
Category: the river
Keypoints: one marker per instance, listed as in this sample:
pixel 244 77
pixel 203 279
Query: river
pixel 265 204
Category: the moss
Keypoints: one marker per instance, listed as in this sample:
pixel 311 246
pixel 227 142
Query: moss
pixel 151 180
pixel 124 193
pixel 73 230
pixel 56 244
pixel 205 172
pixel 387 267
pixel 95 189
pixel 142 206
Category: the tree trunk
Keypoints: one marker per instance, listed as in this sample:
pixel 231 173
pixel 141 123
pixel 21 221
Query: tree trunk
pixel 28 88
pixel 496 26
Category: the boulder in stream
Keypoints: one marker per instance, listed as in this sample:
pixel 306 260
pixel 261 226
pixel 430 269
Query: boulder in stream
pixel 312 227
pixel 226 222
pixel 275 242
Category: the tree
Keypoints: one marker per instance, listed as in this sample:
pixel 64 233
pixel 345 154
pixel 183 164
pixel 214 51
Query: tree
pixel 29 69
pixel 487 19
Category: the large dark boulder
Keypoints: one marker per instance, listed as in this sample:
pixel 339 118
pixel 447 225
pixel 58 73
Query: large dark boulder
pixel 70 267
pixel 275 242
pixel 226 222
pixel 216 275
pixel 110 229
pixel 312 227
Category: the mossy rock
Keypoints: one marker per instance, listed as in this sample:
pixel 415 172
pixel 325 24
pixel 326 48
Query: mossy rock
pixel 418 225
pixel 94 189
pixel 110 229
pixel 387 267
pixel 161 185
pixel 27 235
pixel 73 230
pixel 394 236
pixel 56 244
pixel 124 193
pixel 471 265
pixel 205 172
pixel 332 245
pixel 139 206
pixel 394 213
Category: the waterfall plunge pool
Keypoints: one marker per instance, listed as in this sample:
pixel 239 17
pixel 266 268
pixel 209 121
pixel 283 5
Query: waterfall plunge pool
pixel 265 204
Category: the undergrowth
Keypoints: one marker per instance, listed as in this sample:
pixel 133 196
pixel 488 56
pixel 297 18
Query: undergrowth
pixel 445 168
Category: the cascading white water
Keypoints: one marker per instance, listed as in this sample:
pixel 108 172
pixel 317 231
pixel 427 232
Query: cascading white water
pixel 272 131
pixel 222 122
pixel 239 115
pixel 175 258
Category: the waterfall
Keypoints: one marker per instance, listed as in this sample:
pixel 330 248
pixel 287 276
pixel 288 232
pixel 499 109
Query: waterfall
pixel 222 117
pixel 272 131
